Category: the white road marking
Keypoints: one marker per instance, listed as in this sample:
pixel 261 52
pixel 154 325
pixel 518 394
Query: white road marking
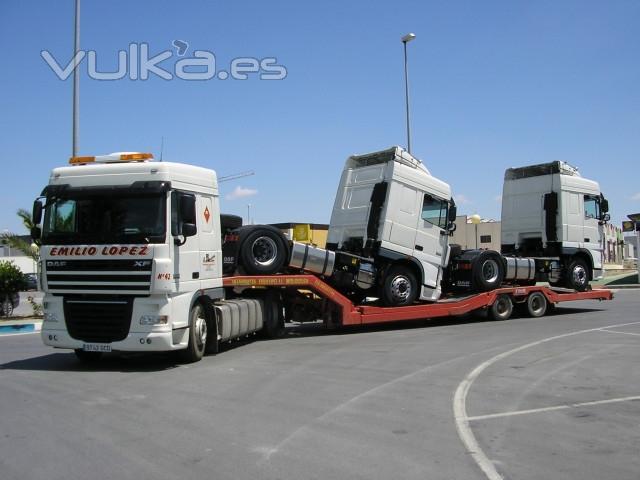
pixel 551 409
pixel 460 400
pixel 616 331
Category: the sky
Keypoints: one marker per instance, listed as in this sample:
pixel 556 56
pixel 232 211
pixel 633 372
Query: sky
pixel 493 84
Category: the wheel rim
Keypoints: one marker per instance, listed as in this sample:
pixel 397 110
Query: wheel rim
pixel 264 250
pixel 490 271
pixel 502 306
pixel 400 289
pixel 200 327
pixel 579 275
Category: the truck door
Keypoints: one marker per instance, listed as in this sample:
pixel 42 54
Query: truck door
pixel 591 228
pixel 186 251
pixel 432 239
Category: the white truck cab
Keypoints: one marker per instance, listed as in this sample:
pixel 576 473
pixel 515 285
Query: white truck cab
pixel 389 207
pixel 131 259
pixel 550 211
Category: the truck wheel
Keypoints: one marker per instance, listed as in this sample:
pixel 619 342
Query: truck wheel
pixel 577 276
pixel 536 304
pixel 87 357
pixel 274 319
pixel 502 308
pixel 198 334
pixel 263 252
pixel 399 287
pixel 487 271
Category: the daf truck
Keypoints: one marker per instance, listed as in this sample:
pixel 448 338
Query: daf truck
pixel 136 256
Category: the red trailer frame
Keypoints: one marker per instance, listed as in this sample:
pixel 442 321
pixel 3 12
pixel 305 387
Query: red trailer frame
pixel 367 314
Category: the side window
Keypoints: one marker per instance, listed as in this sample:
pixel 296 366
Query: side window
pixel 591 207
pixel 434 211
pixel 63 216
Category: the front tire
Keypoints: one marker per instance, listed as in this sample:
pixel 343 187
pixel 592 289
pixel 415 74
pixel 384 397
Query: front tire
pixel 577 276
pixel 399 287
pixel 198 334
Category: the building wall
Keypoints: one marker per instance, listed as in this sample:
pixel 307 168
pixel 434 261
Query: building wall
pixel 613 246
pixel 486 235
pixel 24 263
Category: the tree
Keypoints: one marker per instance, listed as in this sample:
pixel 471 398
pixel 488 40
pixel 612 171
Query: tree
pixel 11 282
pixel 15 241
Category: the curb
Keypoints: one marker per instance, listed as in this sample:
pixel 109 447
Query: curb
pixel 621 287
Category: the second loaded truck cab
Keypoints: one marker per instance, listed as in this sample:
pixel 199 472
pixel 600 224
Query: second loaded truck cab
pixel 549 211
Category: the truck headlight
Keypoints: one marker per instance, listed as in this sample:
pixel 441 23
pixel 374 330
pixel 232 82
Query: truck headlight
pixel 50 317
pixel 154 319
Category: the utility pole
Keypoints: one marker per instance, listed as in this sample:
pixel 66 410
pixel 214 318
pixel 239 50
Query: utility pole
pixel 76 82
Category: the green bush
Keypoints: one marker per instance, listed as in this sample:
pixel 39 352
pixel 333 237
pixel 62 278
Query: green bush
pixel 11 279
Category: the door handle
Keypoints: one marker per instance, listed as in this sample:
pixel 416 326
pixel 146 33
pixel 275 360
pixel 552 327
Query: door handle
pixel 587 240
pixel 419 248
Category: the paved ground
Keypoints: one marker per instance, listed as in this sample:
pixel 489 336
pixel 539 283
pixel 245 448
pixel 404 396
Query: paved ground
pixel 556 397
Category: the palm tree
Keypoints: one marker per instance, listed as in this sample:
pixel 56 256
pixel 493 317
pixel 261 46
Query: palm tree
pixel 15 241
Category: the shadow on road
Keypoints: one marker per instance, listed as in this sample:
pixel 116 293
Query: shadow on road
pixel 68 362
pixel 156 362
pixel 318 328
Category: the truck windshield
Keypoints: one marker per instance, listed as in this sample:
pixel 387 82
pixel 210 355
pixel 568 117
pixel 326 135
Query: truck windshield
pixel 103 218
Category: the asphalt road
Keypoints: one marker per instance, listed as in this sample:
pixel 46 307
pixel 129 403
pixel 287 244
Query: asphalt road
pixel 550 398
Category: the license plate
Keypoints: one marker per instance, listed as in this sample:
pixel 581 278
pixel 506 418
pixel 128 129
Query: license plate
pixel 96 347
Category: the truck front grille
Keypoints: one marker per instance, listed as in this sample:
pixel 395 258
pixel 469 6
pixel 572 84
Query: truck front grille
pixel 102 319
pixel 98 276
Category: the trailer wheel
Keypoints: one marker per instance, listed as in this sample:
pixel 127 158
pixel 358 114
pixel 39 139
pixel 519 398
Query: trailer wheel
pixel 87 357
pixel 198 334
pixel 502 308
pixel 577 277
pixel 536 304
pixel 263 252
pixel 399 286
pixel 487 271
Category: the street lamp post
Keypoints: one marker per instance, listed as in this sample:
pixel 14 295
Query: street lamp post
pixel 76 82
pixel 406 39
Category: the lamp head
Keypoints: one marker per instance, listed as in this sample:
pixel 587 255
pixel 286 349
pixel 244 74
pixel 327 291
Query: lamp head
pixel 408 37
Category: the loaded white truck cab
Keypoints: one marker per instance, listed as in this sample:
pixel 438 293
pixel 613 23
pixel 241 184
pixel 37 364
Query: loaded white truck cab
pixel 389 206
pixel 551 212
pixel 389 236
pixel 131 259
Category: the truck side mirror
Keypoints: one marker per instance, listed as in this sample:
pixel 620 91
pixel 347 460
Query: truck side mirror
pixel 188 209
pixel 453 212
pixel 36 213
pixel 604 205
pixel 189 229
pixel 186 223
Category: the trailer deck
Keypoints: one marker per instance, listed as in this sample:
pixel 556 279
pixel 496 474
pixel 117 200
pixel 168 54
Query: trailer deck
pixel 451 306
